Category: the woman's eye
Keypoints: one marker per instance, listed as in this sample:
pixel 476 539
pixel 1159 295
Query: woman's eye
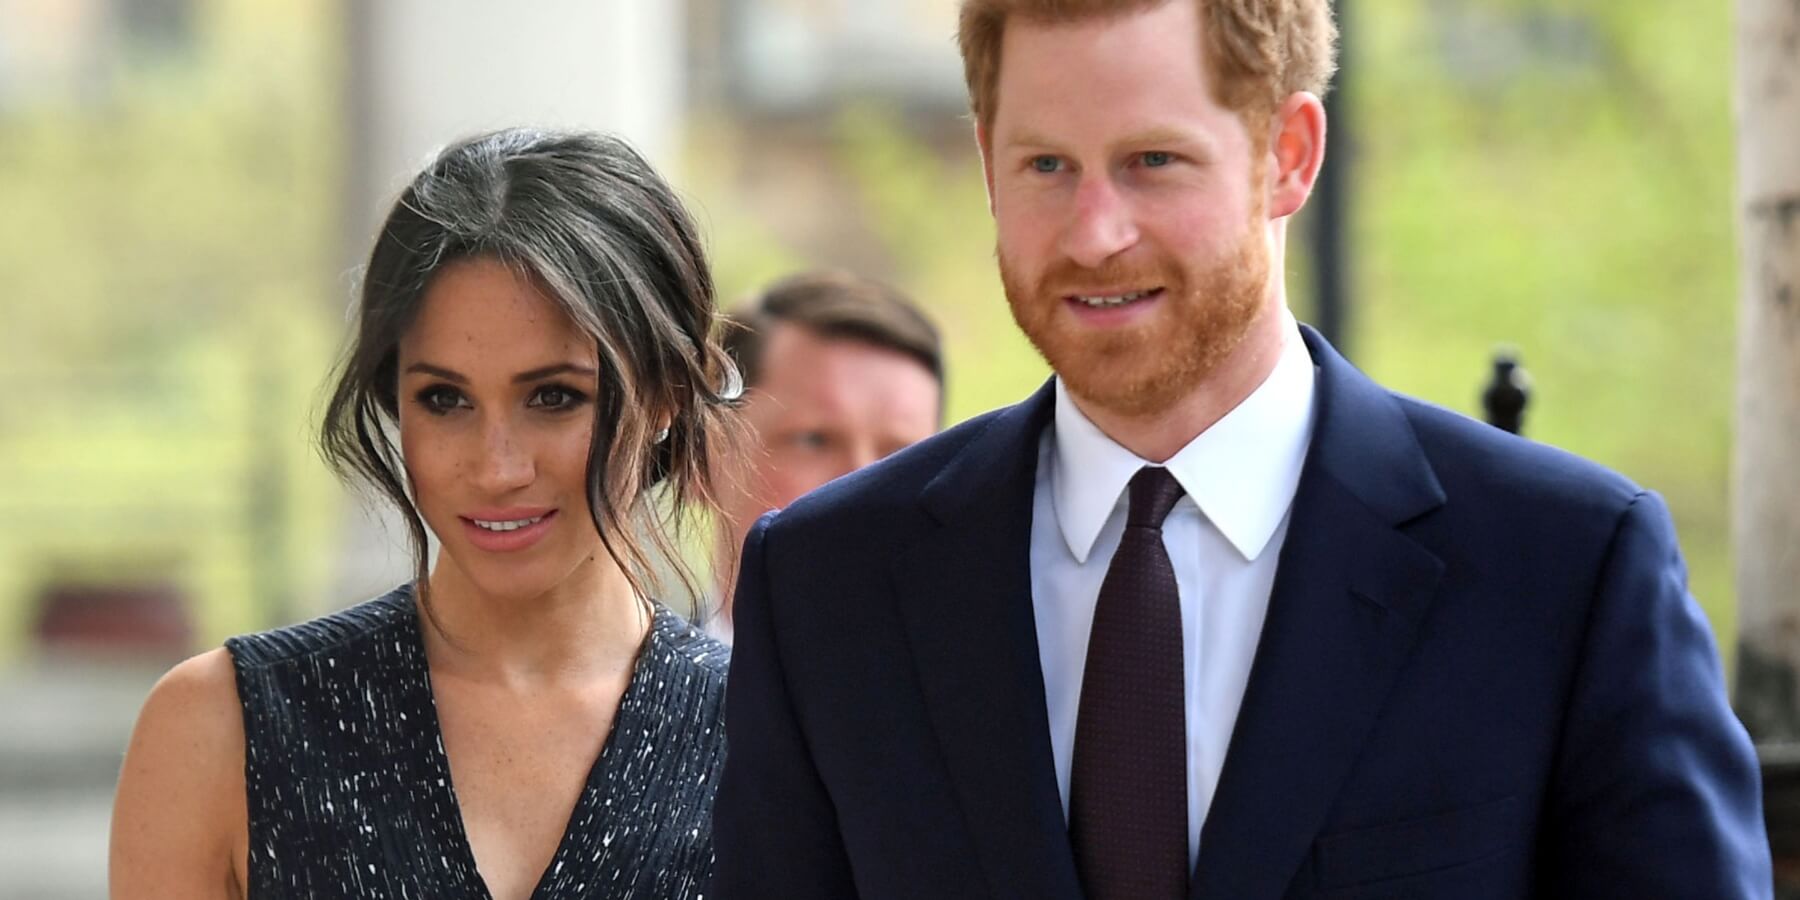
pixel 555 397
pixel 1046 164
pixel 1157 158
pixel 441 399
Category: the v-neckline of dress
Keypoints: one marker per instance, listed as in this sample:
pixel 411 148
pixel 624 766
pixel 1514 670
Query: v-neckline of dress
pixel 590 799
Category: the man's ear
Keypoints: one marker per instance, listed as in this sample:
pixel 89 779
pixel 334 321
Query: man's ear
pixel 984 144
pixel 1296 150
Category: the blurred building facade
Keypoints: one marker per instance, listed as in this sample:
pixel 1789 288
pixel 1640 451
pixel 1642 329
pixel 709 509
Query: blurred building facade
pixel 773 85
pixel 193 184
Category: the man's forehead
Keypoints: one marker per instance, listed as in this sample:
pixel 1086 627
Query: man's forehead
pixel 1146 61
pixel 801 368
pixel 795 349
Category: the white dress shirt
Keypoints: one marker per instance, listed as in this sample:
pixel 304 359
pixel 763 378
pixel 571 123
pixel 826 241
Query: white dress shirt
pixel 1223 539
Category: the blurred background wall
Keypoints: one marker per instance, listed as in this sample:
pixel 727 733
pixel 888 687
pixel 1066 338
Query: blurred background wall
pixel 187 188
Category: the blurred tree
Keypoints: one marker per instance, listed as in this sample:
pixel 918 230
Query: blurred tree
pixel 1557 177
pixel 930 213
pixel 166 243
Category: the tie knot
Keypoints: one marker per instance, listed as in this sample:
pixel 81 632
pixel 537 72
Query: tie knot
pixel 1153 493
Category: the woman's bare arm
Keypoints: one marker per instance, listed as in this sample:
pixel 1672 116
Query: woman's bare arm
pixel 180 822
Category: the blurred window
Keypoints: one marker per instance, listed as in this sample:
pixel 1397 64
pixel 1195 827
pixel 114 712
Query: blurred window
pixel 164 26
pixel 61 50
pixel 801 56
pixel 1484 45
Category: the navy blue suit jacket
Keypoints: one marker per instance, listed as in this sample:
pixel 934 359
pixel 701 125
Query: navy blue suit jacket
pixel 1481 676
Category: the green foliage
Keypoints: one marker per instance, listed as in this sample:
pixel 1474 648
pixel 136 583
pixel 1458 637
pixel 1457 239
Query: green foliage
pixel 1574 201
pixel 744 252
pixel 932 215
pixel 166 250
pixel 927 211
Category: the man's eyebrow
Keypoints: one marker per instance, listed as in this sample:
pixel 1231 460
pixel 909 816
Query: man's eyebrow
pixel 1174 136
pixel 537 374
pixel 1148 137
pixel 1031 139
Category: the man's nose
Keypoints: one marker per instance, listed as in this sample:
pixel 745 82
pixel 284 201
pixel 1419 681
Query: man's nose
pixel 505 462
pixel 1101 224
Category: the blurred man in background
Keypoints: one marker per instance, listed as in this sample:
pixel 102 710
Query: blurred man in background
pixel 839 371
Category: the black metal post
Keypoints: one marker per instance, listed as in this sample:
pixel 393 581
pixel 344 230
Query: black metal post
pixel 1507 393
pixel 1330 280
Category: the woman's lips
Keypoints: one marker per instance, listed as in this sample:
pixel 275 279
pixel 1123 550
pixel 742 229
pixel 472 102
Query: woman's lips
pixel 512 539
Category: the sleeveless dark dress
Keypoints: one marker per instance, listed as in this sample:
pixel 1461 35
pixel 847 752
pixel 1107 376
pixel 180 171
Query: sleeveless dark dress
pixel 350 792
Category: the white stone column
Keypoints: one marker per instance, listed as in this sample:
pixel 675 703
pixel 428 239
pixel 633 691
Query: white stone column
pixel 1766 478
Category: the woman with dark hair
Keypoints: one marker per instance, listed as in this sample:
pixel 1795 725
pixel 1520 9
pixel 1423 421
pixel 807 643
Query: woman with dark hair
pixel 522 720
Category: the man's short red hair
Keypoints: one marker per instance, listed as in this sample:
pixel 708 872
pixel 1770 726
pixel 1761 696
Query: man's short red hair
pixel 1258 51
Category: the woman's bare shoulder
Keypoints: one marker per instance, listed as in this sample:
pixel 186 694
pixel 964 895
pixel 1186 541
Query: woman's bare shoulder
pixel 193 715
pixel 179 820
pixel 202 684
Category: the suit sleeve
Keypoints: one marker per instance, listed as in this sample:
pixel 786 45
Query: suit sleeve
pixel 1657 792
pixel 775 831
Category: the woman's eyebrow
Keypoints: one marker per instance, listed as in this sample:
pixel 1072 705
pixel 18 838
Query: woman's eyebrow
pixel 533 375
pixel 558 369
pixel 437 371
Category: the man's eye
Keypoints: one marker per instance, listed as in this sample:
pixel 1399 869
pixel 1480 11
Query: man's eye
pixel 1046 164
pixel 1158 158
pixel 556 397
pixel 441 399
pixel 809 440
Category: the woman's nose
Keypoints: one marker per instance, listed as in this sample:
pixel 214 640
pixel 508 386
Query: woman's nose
pixel 505 462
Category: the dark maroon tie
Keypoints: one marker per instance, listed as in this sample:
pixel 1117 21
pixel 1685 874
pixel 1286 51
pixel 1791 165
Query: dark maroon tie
pixel 1128 783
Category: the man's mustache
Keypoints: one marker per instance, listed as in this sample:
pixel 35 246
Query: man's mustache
pixel 1067 279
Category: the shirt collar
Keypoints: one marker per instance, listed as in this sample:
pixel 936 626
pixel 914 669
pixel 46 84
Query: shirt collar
pixel 1242 472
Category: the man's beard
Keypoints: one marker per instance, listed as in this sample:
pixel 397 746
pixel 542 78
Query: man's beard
pixel 1148 367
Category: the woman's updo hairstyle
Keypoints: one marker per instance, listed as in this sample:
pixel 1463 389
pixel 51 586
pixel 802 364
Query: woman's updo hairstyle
pixel 605 238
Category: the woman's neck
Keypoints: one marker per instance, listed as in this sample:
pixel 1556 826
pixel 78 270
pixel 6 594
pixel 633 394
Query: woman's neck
pixel 590 624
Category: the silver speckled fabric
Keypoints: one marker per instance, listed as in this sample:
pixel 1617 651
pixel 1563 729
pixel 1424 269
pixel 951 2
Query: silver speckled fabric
pixel 349 787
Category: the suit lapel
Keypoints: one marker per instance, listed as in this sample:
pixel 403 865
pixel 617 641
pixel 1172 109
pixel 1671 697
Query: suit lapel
pixel 1349 595
pixel 965 591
